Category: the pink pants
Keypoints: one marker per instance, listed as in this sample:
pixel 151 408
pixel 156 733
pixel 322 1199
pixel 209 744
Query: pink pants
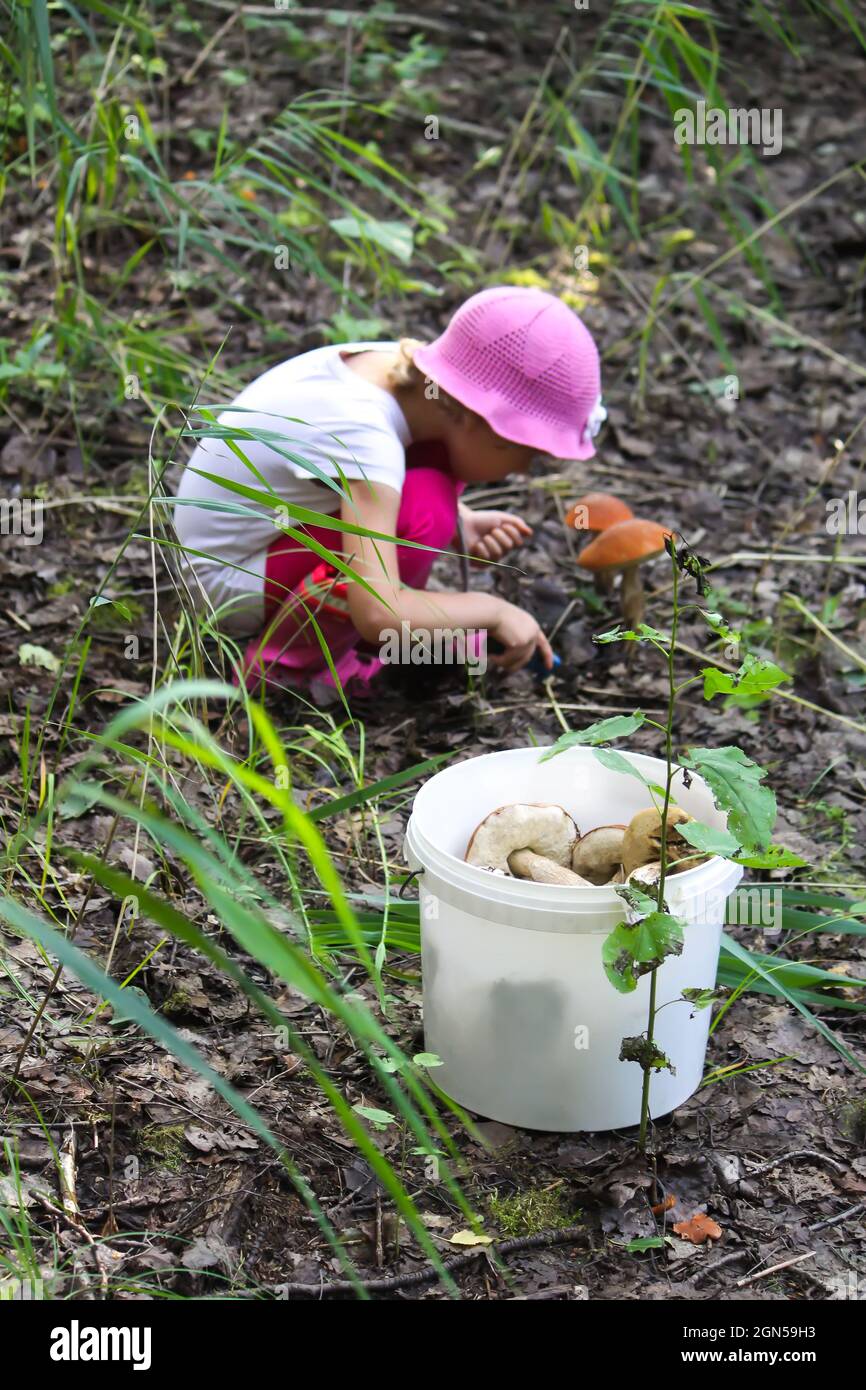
pixel 289 652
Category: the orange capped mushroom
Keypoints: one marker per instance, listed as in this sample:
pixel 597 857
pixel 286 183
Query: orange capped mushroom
pixel 597 511
pixel 622 549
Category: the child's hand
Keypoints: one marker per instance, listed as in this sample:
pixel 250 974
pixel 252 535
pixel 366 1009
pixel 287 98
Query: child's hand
pixel 521 637
pixel 490 535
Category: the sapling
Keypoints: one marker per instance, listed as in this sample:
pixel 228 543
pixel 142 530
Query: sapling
pixel 650 932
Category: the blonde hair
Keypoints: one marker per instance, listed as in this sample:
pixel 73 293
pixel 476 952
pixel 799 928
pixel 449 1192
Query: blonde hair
pixel 404 372
pixel 404 375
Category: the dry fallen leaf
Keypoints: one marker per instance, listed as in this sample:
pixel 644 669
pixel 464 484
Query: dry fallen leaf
pixel 698 1229
pixel 470 1238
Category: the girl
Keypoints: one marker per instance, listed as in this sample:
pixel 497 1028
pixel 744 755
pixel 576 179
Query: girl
pixel 384 436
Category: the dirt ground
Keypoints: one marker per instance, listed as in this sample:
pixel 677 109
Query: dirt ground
pixel 774 1154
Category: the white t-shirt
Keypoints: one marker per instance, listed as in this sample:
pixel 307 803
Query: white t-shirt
pixel 319 415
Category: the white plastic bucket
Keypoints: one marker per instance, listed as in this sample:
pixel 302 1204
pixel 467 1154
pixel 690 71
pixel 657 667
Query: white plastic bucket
pixel 516 1001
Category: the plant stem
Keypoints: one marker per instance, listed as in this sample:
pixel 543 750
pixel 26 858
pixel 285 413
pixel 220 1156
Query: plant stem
pixel 647 1071
pixel 660 894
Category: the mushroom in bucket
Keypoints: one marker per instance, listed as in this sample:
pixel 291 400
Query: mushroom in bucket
pixel 527 840
pixel 537 841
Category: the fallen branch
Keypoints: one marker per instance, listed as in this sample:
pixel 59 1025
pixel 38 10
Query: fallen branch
pixel 786 1158
pixel 841 1216
pixel 426 1276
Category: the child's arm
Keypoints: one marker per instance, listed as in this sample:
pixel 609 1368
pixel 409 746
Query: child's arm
pixel 376 561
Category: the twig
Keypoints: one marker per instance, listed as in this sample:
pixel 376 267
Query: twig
pixel 66 1166
pixel 804 612
pixel 786 1158
pixel 548 690
pixel 587 708
pixel 345 94
pixel 463 557
pixel 211 43
pixel 426 1276
pixel 733 1258
pixel 774 1269
pixel 789 558
pixel 563 617
pixel 417 21
pixel 841 1216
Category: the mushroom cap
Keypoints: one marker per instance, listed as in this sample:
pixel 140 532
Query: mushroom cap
pixel 624 545
pixel 546 829
pixel 602 510
pixel 643 840
pixel 598 854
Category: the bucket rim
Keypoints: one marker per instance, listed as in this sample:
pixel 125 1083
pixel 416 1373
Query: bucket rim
pixel 555 897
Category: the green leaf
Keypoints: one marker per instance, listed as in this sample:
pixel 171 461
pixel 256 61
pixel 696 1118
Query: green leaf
pixel 644 633
pixel 709 840
pixel 100 600
pixel 121 1015
pixel 379 1118
pixel 774 857
pixel 640 902
pixel 735 782
pixel 634 950
pixel 394 237
pixel 347 329
pixel 719 625
pixel 377 789
pixel 754 677
pixel 78 801
pixel 700 998
pixel 641 1243
pixel 427 1059
pixel 714 327
pixel 615 762
pixel 619 726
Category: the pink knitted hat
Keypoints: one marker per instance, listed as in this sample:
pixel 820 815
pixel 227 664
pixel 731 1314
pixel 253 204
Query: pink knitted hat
pixel 524 362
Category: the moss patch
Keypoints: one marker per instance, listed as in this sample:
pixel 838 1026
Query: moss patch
pixel 531 1212
pixel 167 1142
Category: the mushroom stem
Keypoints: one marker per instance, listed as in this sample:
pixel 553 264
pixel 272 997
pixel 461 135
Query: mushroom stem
pixel 603 583
pixel 524 863
pixel 632 597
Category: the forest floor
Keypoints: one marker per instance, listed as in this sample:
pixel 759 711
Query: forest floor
pixel 737 479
